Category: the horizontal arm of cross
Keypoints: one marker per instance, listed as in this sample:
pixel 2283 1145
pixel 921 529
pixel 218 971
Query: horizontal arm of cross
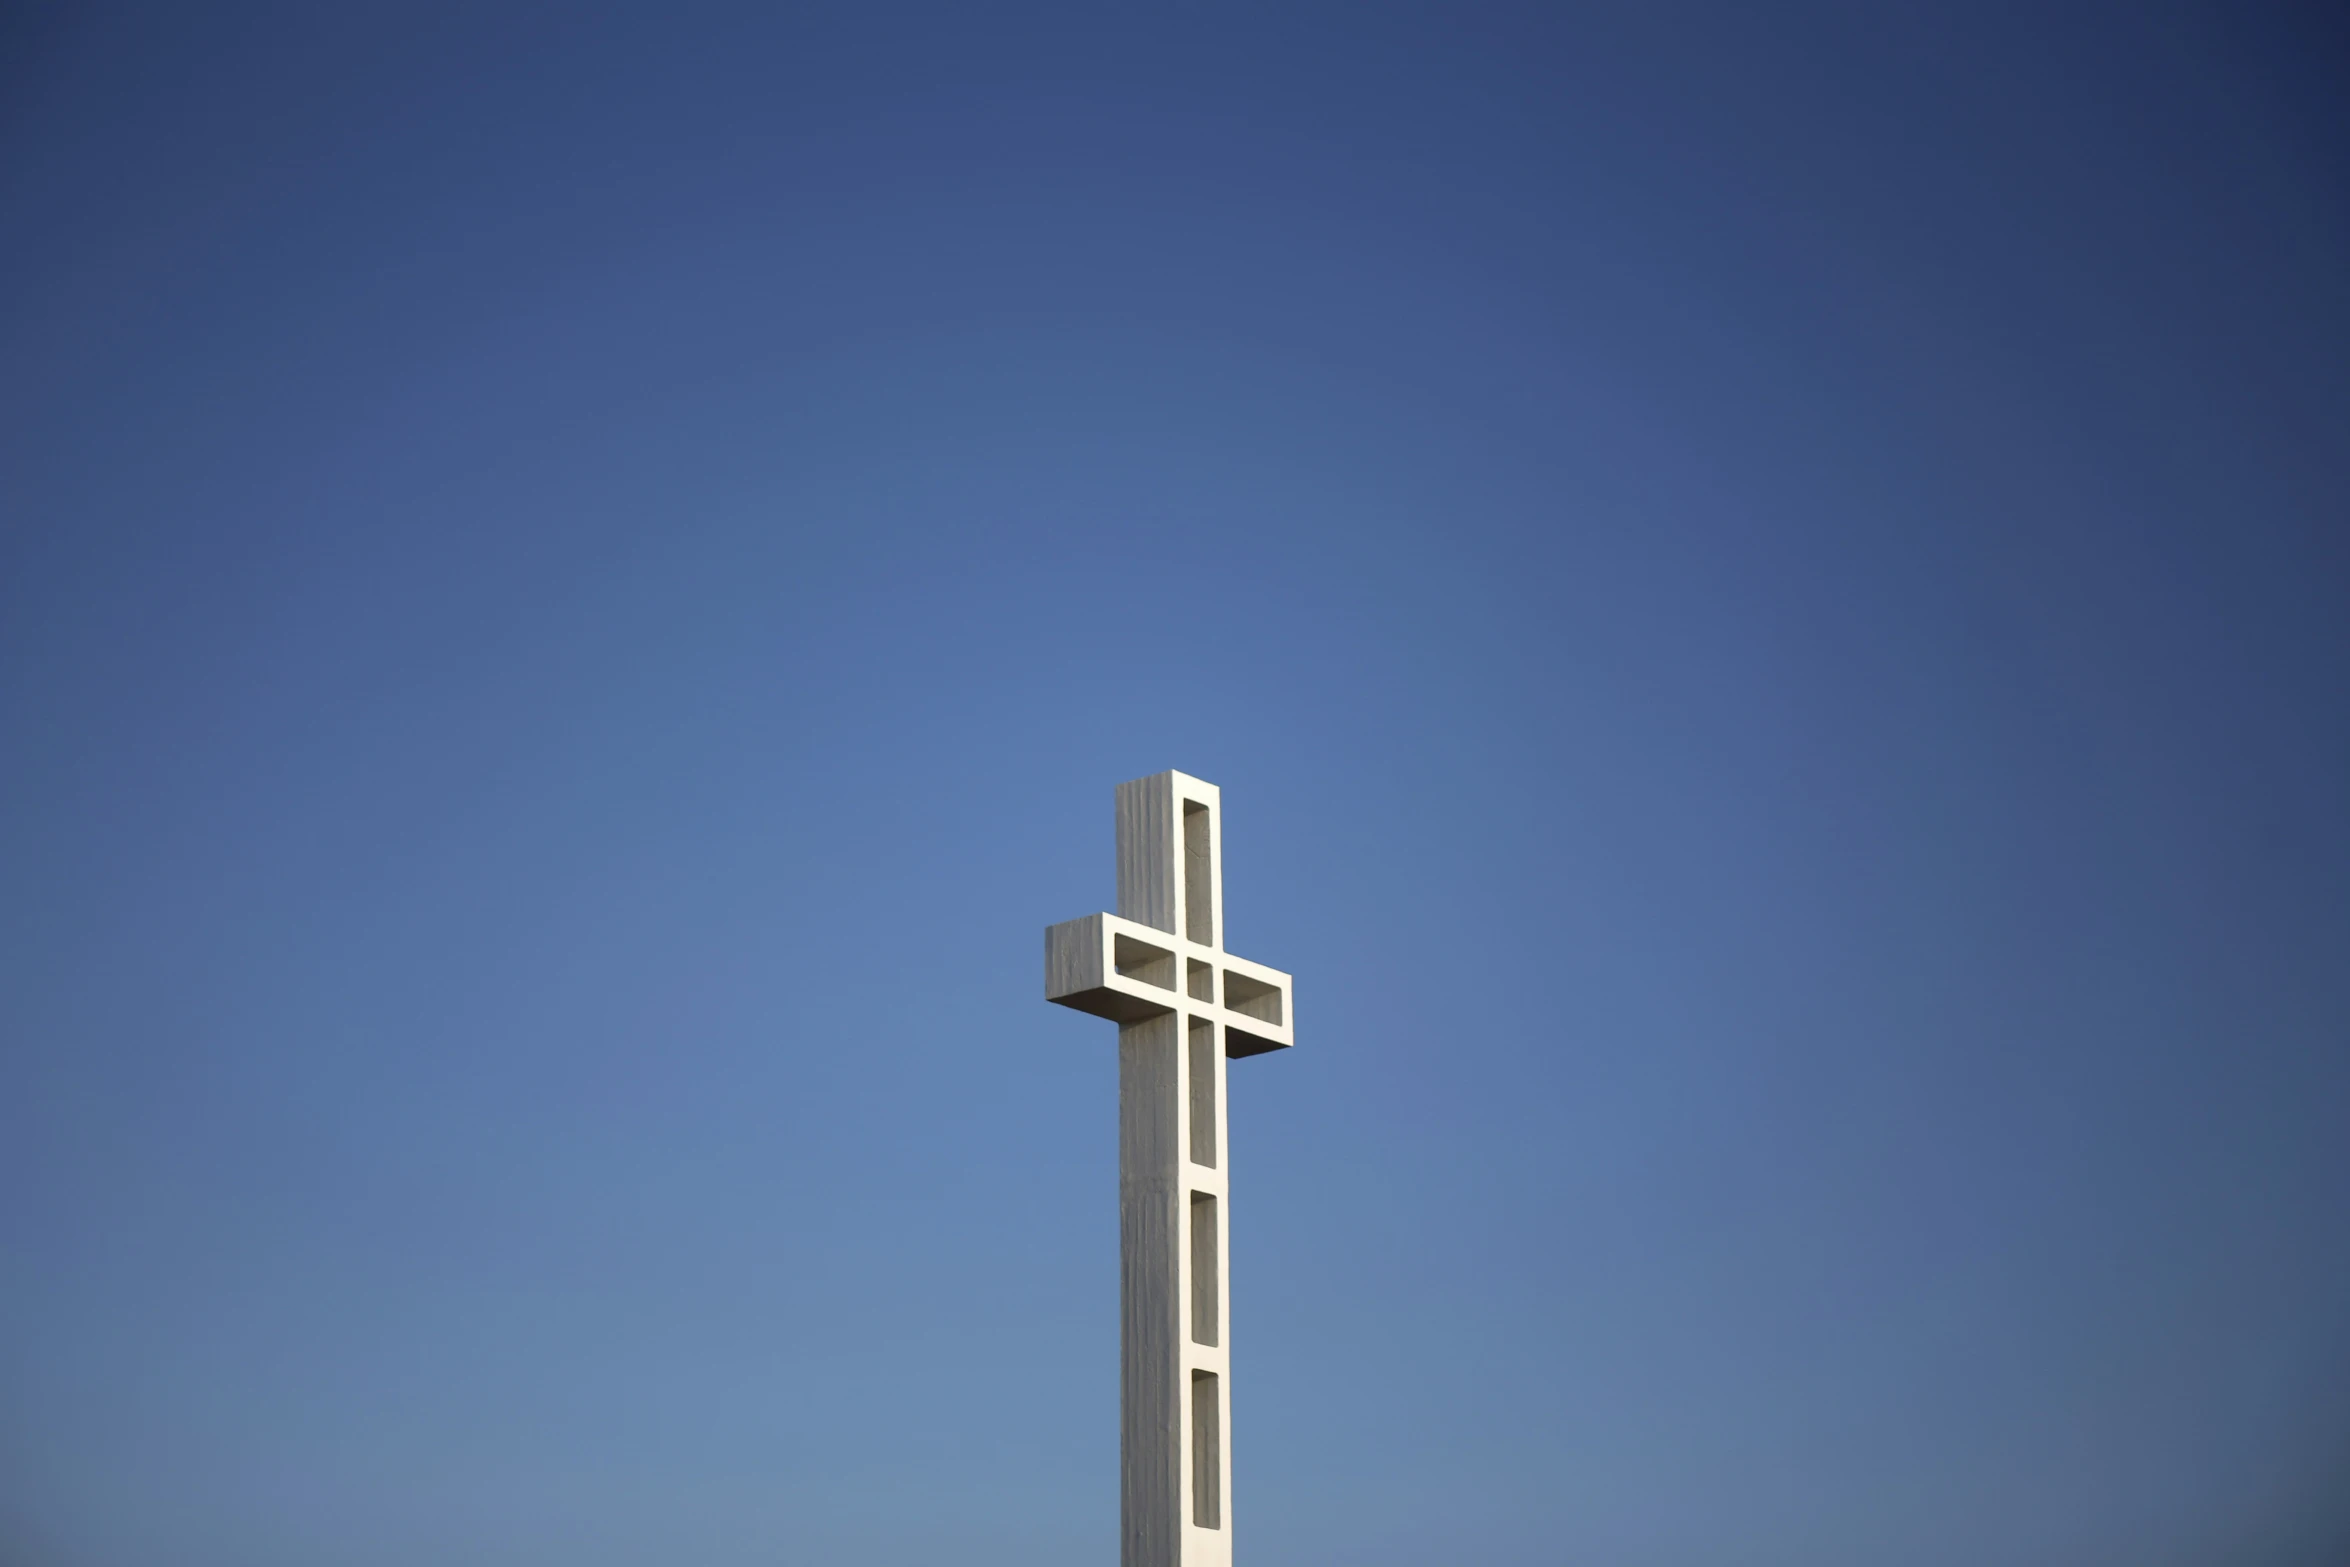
pixel 1127 971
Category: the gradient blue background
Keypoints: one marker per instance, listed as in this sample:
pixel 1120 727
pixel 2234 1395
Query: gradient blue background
pixel 1767 594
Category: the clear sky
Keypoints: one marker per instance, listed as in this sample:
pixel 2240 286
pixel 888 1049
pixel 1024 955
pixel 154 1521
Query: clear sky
pixel 1766 587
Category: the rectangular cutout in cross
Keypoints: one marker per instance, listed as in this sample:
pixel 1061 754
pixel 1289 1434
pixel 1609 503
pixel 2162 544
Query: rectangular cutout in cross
pixel 1207 1452
pixel 1251 997
pixel 1140 960
pixel 1204 1283
pixel 1201 1069
pixel 1199 875
pixel 1200 980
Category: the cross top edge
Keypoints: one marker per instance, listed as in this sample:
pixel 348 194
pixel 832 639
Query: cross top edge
pixel 1170 855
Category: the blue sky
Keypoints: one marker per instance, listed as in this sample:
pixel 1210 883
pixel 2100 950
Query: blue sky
pixel 1766 593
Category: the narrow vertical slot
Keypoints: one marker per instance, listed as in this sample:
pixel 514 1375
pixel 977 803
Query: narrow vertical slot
pixel 1204 1282
pixel 1199 877
pixel 1207 1452
pixel 1203 1092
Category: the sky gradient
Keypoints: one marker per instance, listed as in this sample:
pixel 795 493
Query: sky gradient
pixel 1768 595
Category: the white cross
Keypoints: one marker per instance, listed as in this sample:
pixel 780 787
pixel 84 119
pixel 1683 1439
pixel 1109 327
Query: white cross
pixel 1159 969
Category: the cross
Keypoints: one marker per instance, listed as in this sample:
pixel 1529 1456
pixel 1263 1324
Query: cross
pixel 1159 969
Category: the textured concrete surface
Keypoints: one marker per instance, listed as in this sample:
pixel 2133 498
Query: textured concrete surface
pixel 1158 969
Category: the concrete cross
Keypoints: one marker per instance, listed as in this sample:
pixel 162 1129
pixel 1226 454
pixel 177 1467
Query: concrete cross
pixel 1159 969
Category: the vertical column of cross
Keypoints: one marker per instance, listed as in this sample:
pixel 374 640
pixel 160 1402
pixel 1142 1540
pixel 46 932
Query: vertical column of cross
pixel 1174 1187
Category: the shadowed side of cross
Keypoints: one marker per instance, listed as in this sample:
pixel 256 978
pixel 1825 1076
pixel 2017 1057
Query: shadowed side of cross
pixel 1163 949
